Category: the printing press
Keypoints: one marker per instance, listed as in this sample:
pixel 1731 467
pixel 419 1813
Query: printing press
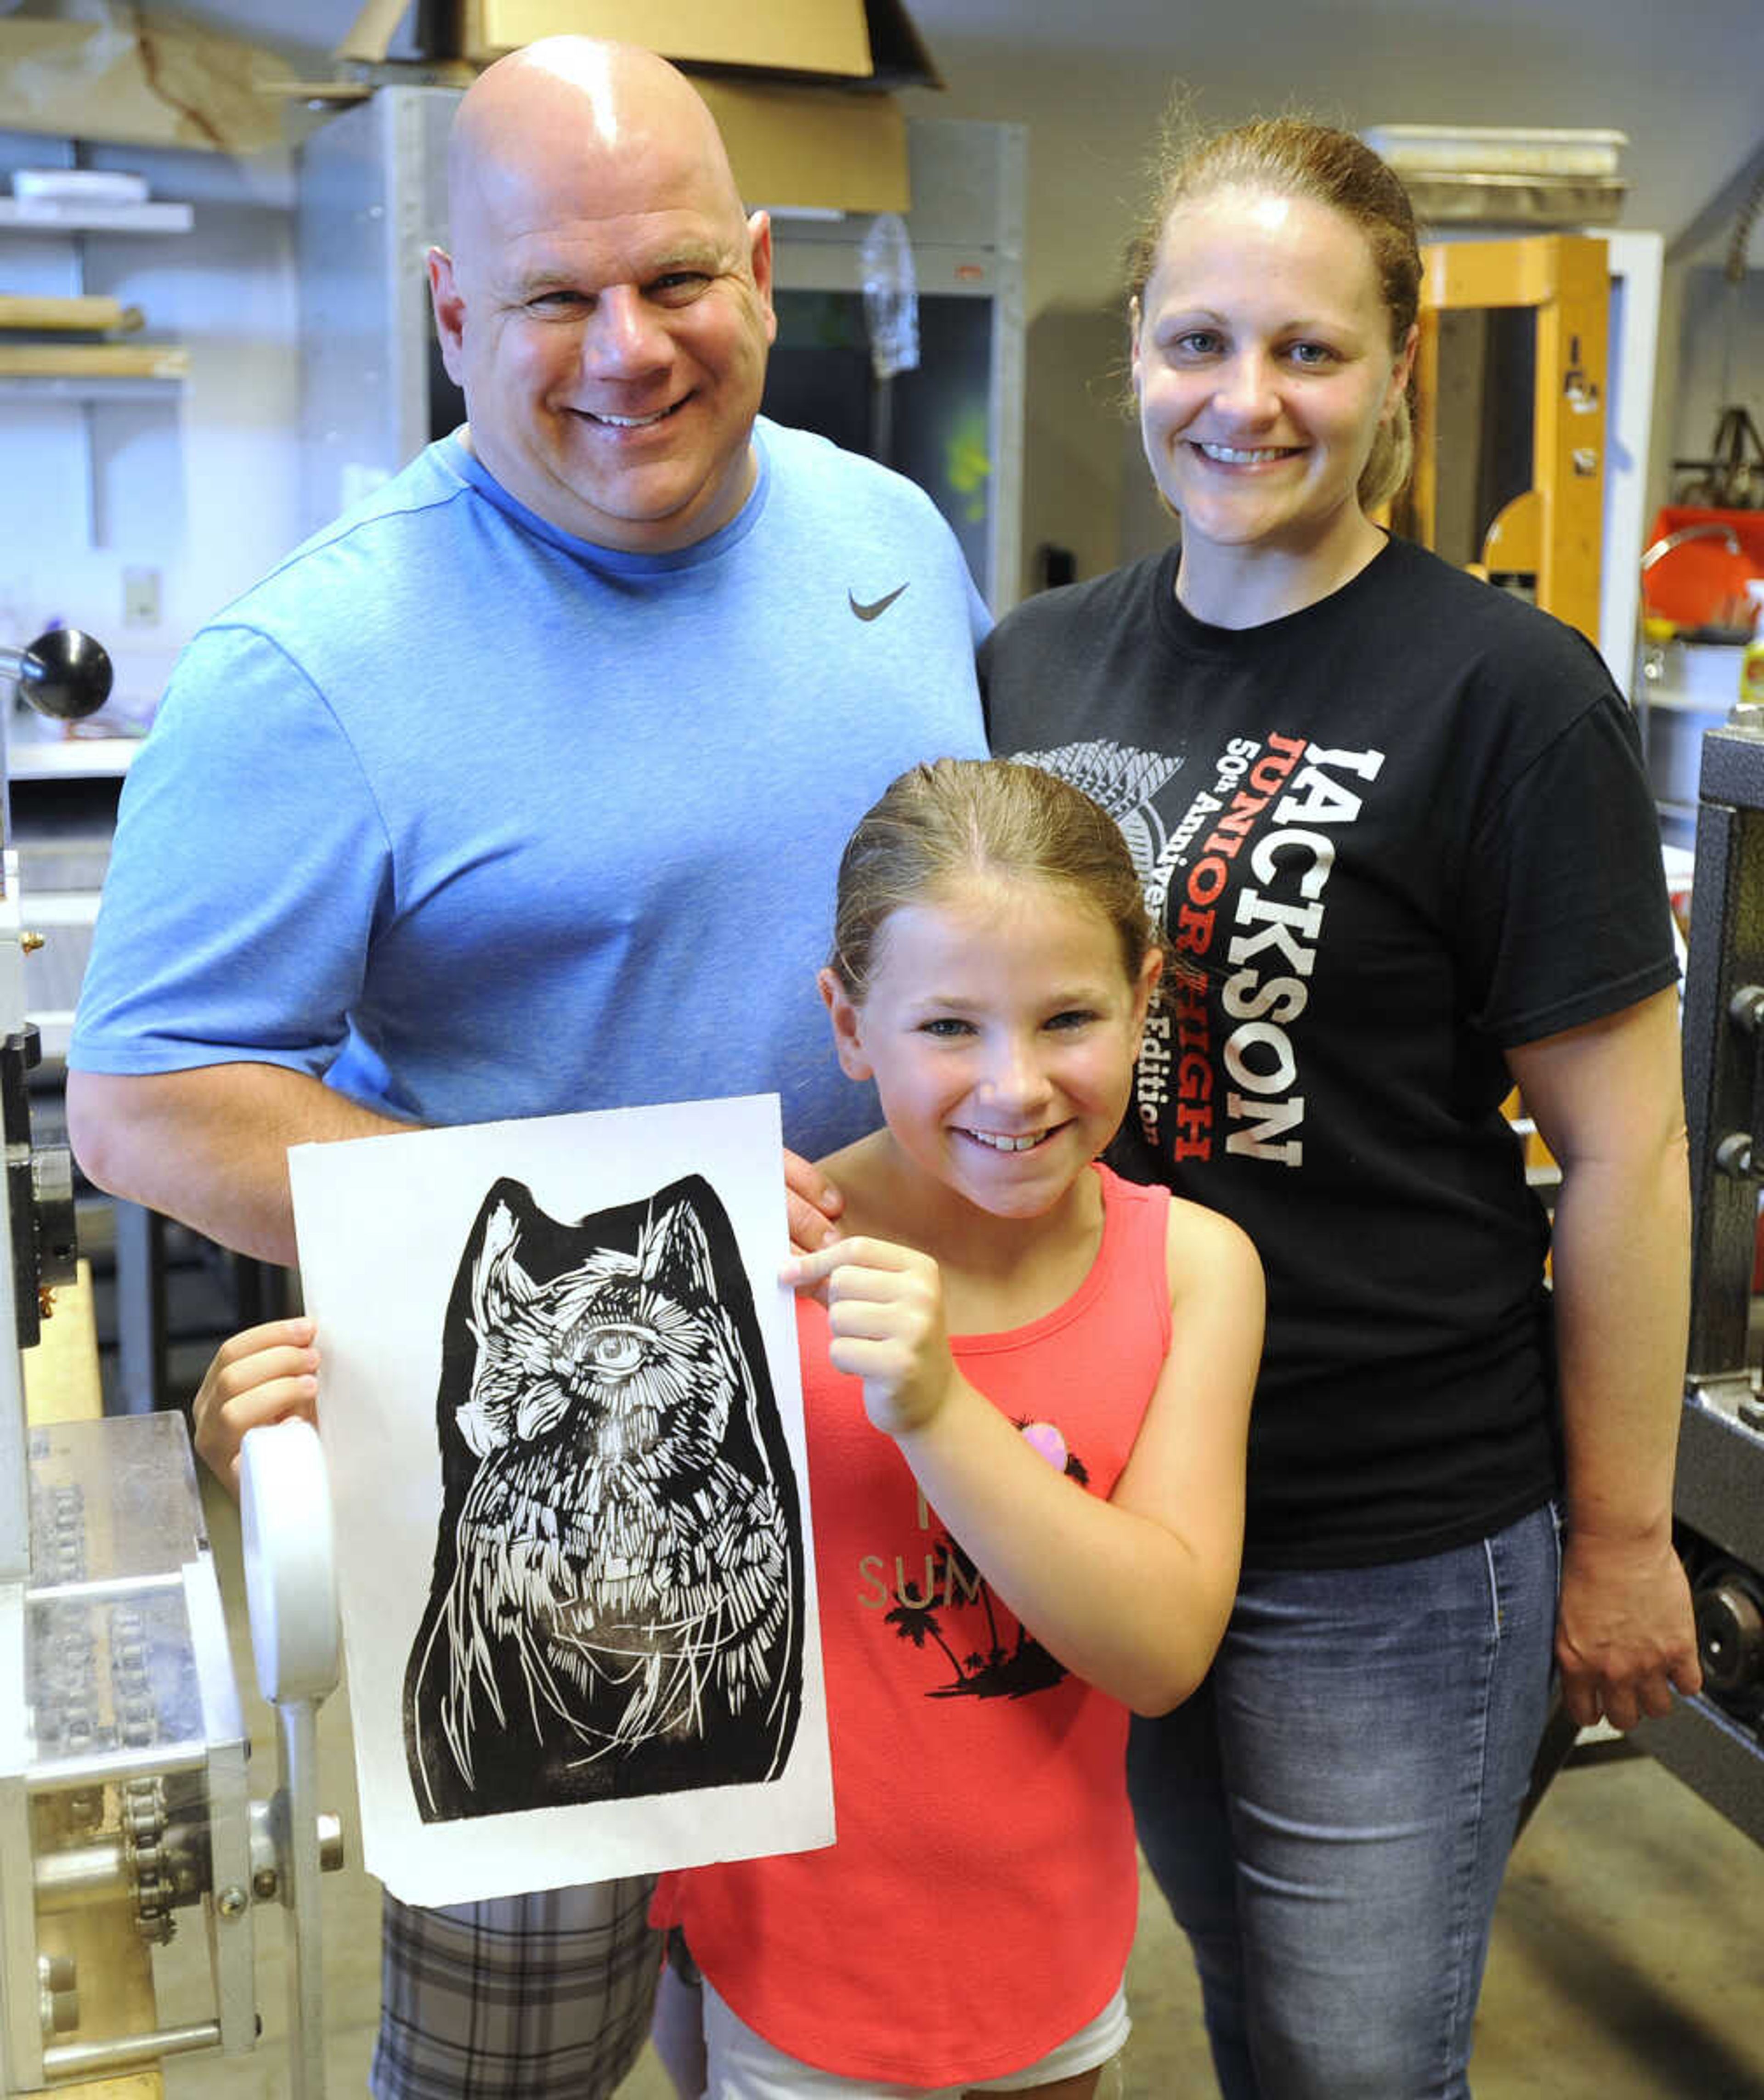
pixel 1715 1742
pixel 125 1808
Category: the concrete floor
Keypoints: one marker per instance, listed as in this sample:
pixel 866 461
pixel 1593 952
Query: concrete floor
pixel 1627 1961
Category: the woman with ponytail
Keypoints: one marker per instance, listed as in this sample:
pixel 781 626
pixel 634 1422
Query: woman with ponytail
pixel 1396 826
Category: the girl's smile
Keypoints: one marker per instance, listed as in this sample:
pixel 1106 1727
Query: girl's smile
pixel 1001 1141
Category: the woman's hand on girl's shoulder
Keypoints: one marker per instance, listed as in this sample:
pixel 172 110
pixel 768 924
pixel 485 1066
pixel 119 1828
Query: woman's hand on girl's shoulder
pixel 885 1305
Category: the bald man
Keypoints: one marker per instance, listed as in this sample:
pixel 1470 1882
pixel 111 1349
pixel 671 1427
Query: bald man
pixel 520 789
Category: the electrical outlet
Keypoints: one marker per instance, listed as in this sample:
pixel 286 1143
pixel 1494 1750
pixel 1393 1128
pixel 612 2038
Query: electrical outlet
pixel 140 598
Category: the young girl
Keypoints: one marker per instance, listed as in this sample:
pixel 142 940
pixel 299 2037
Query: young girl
pixel 1027 1394
pixel 1026 1386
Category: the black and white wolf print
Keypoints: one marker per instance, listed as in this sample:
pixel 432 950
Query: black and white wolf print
pixel 616 1606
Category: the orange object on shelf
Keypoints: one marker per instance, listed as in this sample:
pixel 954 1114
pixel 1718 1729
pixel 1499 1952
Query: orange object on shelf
pixel 1701 582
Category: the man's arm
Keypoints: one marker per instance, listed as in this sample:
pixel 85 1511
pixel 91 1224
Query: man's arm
pixel 209 1146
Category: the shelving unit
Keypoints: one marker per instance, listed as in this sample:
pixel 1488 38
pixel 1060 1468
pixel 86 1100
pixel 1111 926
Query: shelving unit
pixel 31 216
pixel 83 370
pixel 52 365
pixel 66 352
pixel 84 314
pixel 67 387
pixel 80 363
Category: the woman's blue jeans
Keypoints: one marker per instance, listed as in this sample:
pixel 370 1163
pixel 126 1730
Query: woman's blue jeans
pixel 1330 1814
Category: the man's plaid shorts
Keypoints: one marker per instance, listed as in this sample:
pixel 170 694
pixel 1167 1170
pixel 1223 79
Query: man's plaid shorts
pixel 537 1997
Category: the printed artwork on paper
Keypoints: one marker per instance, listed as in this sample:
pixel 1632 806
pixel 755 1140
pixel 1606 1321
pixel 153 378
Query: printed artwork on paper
pixel 562 1416
pixel 614 1606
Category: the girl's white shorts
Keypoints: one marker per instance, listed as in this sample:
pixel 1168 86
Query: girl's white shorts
pixel 743 2065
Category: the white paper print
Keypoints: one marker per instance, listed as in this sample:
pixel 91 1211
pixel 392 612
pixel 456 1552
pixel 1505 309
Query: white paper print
pixel 562 1413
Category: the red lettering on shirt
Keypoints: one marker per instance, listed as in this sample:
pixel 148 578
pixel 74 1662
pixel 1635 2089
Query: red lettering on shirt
pixel 1194 930
pixel 1206 878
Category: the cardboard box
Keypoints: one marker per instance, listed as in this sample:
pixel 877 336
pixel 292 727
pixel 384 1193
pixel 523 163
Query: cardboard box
pixel 813 147
pixel 852 43
pixel 792 83
pixel 787 36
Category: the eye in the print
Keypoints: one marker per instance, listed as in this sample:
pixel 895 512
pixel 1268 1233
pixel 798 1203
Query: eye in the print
pixel 613 1353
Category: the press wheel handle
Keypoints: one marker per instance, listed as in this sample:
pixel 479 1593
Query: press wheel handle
pixel 63 673
pixel 290 1566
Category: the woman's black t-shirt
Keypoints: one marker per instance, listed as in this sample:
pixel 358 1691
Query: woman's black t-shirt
pixel 1389 837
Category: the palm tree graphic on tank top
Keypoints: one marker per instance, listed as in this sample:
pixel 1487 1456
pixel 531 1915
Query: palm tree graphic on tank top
pixel 1004 1660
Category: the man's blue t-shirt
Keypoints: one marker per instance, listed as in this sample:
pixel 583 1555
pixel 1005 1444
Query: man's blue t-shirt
pixel 473 819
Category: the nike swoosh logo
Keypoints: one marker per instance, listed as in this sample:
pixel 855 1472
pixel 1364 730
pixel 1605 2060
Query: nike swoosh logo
pixel 873 611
